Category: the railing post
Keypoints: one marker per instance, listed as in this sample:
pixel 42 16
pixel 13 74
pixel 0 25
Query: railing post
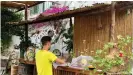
pixel 26 27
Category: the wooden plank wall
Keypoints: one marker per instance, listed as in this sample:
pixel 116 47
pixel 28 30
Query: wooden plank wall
pixel 124 23
pixel 87 28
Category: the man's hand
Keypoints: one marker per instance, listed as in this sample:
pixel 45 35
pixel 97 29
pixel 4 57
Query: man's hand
pixel 60 61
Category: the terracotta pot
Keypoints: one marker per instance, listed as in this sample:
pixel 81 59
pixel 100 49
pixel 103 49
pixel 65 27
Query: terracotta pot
pixel 114 69
pixel 117 69
pixel 112 73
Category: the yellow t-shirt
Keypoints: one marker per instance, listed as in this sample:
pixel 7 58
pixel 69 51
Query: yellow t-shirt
pixel 44 61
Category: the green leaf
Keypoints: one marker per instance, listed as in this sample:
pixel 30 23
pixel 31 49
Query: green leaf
pixel 61 32
pixel 106 47
pixel 98 51
pixel 68 34
pixel 8 30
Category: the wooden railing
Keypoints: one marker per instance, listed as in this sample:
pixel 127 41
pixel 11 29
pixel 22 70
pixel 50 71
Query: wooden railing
pixel 61 70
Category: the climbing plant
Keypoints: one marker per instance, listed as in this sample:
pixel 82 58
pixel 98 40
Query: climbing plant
pixel 68 34
pixel 119 57
pixel 7 30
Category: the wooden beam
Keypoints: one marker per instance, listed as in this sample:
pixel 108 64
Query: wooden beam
pixel 31 5
pixel 132 24
pixel 20 5
pixel 66 14
pixel 11 4
pixel 112 31
pixel 26 27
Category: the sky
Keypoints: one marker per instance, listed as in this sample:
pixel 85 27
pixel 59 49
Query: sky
pixel 79 4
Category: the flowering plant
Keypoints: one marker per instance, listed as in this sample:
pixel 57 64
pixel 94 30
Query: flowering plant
pixel 56 10
pixel 48 12
pixel 115 56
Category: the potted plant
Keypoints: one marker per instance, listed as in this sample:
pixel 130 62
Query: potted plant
pixel 29 54
pixel 114 57
pixel 13 62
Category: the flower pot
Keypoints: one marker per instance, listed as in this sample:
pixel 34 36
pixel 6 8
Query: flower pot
pixel 108 73
pixel 118 73
pixel 118 68
pixel 114 69
pixel 29 55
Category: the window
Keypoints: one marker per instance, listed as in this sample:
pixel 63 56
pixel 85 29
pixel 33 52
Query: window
pixel 40 8
pixel 34 10
pixel 46 5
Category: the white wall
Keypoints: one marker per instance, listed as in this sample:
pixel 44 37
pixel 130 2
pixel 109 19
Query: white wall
pixel 71 4
pixel 15 41
pixel 79 4
pixel 43 32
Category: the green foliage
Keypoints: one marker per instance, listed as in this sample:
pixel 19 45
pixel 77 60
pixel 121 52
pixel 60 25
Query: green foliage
pixel 101 59
pixel 60 33
pixel 68 34
pixel 24 45
pixel 7 30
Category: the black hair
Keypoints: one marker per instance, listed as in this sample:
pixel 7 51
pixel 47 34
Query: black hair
pixel 45 39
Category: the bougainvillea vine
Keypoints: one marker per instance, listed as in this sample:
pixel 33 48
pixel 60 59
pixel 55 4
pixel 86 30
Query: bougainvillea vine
pixel 48 12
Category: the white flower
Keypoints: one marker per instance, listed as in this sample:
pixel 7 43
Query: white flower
pixel 92 51
pixel 83 61
pixel 119 36
pixel 122 64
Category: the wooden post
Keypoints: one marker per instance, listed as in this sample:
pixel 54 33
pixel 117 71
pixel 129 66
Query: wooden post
pixel 26 26
pixel 70 21
pixel 14 69
pixel 132 19
pixel 112 31
pixel 132 33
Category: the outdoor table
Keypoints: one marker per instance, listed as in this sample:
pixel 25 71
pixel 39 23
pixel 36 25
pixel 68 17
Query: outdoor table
pixel 62 70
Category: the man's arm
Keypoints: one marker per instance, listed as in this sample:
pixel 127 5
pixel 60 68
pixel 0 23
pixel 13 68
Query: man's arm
pixel 60 61
pixel 53 58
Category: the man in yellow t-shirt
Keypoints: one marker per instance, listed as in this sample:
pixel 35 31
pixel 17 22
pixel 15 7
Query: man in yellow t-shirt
pixel 44 58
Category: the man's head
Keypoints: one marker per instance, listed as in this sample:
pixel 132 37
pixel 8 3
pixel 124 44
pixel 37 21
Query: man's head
pixel 46 41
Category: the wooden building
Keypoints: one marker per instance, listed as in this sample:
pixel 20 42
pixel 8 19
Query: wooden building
pixel 98 27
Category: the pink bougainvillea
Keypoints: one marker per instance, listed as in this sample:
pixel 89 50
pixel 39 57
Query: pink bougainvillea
pixel 38 25
pixel 48 12
pixel 55 10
